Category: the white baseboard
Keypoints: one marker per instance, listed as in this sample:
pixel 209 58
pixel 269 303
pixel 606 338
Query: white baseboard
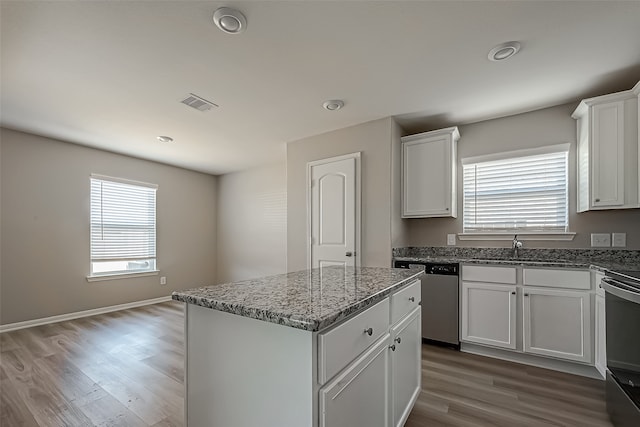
pixel 86 313
pixel 532 360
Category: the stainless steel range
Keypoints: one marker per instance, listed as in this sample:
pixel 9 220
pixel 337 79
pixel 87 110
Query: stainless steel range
pixel 622 299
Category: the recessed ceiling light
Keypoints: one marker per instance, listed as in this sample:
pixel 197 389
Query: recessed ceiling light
pixel 504 51
pixel 333 105
pixel 163 138
pixel 229 20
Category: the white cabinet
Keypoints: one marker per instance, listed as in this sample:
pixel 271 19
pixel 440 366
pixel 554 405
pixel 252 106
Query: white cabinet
pixel 406 366
pixel 600 327
pixel 405 301
pixel 557 323
pixel 557 313
pixel 358 396
pixel 372 363
pixel 601 332
pixel 489 314
pixel 550 307
pixel 607 148
pixel 250 372
pixel 342 344
pixel 429 174
pixel 608 157
pixel 556 278
pixel 484 273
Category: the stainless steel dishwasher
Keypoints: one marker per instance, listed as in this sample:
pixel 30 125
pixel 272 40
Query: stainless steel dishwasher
pixel 440 301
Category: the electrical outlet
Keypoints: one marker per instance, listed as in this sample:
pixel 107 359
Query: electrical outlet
pixel 451 239
pixel 619 240
pixel 600 240
pixel 163 280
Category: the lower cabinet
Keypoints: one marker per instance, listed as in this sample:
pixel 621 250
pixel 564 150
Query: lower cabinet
pixel 380 386
pixel 600 327
pixel 489 314
pixel 601 331
pixel 551 307
pixel 557 323
pixel 406 364
pixel 358 396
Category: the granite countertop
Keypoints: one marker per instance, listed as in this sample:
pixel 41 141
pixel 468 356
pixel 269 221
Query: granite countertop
pixel 310 299
pixel 498 261
pixel 602 260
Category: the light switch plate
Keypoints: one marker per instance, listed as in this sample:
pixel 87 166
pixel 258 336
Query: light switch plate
pixel 600 240
pixel 451 239
pixel 619 240
pixel 163 280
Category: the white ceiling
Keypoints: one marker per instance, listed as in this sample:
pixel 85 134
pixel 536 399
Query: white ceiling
pixel 111 74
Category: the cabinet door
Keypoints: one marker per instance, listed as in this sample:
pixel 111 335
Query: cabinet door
pixel 489 314
pixel 359 395
pixel 427 177
pixel 405 366
pixel 584 156
pixel 557 324
pixel 601 331
pixel 607 147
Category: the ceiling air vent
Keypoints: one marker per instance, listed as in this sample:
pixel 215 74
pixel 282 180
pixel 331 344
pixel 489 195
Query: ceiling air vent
pixel 200 104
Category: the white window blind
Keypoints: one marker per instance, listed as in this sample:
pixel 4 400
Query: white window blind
pixel 123 226
pixel 516 194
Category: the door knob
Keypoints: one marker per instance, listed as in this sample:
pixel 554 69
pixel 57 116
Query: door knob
pixel 349 254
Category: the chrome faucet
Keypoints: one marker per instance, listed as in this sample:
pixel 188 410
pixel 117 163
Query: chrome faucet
pixel 515 246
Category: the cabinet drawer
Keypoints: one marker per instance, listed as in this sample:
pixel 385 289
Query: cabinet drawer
pixel 478 273
pixel 568 279
pixel 405 300
pixel 342 344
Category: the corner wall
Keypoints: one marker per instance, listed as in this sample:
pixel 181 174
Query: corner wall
pixel 44 224
pixel 373 140
pixel 399 226
pixel 252 223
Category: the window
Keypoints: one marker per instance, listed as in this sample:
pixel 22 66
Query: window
pixel 515 192
pixel 123 226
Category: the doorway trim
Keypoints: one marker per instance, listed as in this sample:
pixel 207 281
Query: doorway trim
pixel 358 195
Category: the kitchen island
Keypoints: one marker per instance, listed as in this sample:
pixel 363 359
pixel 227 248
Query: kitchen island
pixel 326 347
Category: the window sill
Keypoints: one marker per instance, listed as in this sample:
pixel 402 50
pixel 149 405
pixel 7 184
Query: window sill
pixel 117 276
pixel 523 236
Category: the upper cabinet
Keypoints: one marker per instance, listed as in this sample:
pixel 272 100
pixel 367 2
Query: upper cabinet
pixel 608 155
pixel 429 174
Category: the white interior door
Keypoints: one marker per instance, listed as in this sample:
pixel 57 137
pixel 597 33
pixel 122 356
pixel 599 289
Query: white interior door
pixel 333 185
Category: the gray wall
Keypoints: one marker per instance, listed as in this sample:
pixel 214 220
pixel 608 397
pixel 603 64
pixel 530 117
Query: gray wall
pixel 252 223
pixel 399 226
pixel 44 209
pixel 373 139
pixel 538 128
pixel 45 228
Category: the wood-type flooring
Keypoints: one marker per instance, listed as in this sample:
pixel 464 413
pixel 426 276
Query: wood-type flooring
pixel 126 369
pixel 123 368
pixel 461 389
